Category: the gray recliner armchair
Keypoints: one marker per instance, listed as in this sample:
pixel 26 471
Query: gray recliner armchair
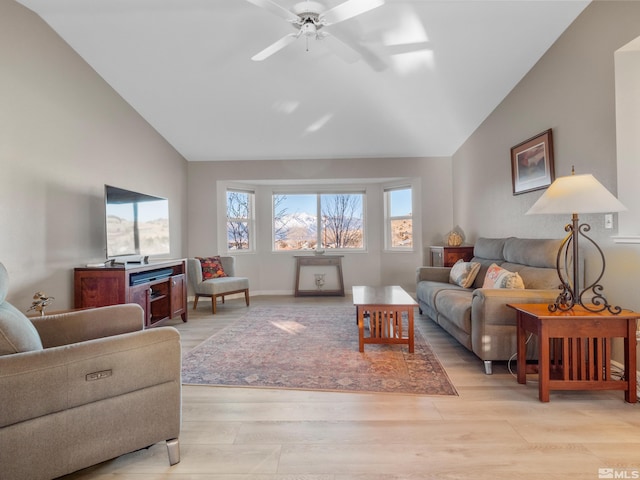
pixel 216 287
pixel 82 387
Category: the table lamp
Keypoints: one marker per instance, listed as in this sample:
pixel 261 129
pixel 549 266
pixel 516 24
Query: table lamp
pixel 575 194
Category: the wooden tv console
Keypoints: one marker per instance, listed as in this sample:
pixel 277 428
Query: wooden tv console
pixel 160 288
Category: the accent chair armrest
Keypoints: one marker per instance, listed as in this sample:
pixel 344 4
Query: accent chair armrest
pixel 82 325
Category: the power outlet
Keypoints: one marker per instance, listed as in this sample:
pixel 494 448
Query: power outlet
pixel 608 220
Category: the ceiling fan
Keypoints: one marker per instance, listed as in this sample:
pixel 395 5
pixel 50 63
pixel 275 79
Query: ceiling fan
pixel 310 18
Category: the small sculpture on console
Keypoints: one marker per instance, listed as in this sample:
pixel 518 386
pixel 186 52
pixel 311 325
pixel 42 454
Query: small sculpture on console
pixel 40 302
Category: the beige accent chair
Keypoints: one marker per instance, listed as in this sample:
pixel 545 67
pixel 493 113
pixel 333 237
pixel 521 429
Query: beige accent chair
pixel 82 387
pixel 216 287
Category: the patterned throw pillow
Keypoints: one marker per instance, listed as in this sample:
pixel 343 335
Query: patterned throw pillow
pixel 498 277
pixel 211 267
pixel 464 273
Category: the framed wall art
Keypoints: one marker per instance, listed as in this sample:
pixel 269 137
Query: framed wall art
pixel 532 163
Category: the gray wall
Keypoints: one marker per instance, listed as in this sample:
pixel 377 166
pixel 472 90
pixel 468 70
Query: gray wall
pixel 572 91
pixel 64 133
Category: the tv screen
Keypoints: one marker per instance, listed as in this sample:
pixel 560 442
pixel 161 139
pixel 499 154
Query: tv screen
pixel 136 224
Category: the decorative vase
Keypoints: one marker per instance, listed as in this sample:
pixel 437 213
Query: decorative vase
pixel 454 239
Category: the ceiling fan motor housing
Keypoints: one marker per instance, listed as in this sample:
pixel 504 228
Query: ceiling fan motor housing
pixel 303 9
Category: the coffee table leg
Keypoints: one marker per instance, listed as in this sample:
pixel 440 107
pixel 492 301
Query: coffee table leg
pixel 411 343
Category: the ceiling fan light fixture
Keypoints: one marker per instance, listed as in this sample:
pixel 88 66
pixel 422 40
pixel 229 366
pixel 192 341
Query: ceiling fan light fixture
pixel 309 29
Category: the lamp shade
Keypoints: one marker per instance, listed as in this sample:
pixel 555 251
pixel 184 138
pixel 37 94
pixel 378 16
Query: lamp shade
pixel 576 194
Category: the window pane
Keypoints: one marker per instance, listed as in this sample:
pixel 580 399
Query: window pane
pixel 295 221
pixel 399 225
pixel 238 211
pixel 342 220
pixel 400 202
pixel 402 233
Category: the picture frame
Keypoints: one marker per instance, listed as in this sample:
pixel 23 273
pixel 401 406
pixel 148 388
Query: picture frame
pixel 532 166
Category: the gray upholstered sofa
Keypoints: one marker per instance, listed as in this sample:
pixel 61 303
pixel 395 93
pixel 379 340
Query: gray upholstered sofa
pixel 479 317
pixel 82 387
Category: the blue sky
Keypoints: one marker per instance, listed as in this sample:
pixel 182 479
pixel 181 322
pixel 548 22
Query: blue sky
pixel 401 203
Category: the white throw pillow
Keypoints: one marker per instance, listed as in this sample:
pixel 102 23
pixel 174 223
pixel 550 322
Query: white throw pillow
pixel 464 273
pixel 498 277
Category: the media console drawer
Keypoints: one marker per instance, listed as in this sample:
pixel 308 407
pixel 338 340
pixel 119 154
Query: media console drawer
pixel 160 288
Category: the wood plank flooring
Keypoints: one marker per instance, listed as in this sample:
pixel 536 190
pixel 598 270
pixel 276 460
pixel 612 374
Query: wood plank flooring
pixel 494 429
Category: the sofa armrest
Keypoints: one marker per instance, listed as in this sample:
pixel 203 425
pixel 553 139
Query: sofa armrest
pixel 433 274
pixel 493 324
pixel 86 372
pixel 489 305
pixel 82 325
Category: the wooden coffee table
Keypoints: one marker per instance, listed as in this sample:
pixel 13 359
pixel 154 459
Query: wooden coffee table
pixel 384 307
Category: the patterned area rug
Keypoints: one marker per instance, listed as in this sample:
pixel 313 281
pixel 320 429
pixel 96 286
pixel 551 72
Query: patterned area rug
pixel 311 348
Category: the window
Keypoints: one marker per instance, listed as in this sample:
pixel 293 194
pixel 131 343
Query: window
pixel 240 220
pixel 308 221
pixel 398 218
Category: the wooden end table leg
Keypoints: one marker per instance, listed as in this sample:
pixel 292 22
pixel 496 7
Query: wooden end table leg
pixel 544 363
pixel 631 395
pixel 521 350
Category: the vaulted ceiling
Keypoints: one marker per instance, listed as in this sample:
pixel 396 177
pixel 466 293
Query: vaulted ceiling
pixel 429 71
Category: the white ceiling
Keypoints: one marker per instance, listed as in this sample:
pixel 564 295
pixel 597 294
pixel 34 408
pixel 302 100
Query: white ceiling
pixel 185 66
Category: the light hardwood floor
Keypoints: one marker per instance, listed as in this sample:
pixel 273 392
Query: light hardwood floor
pixel 494 429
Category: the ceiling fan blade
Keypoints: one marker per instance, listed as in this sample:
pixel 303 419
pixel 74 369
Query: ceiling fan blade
pixel 275 47
pixel 347 48
pixel 349 9
pixel 399 49
pixel 340 48
pixel 276 9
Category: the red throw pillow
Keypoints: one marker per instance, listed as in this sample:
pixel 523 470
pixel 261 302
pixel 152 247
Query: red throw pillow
pixel 211 267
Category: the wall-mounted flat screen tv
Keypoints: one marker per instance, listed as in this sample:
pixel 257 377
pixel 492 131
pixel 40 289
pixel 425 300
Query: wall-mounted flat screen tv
pixel 136 223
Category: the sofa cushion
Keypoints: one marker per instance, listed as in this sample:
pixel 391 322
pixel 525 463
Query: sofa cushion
pixel 534 252
pixel 535 277
pixel 17 333
pixel 455 305
pixel 498 277
pixel 464 273
pixel 211 267
pixel 491 248
pixel 427 291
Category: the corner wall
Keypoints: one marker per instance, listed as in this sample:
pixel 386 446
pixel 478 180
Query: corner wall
pixel 64 133
pixel 571 90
